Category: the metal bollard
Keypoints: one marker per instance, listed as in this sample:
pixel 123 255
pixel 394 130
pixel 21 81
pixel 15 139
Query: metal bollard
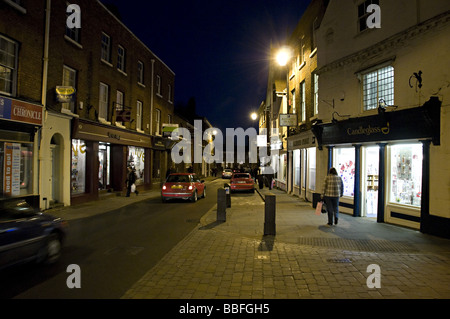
pixel 228 192
pixel 221 205
pixel 269 214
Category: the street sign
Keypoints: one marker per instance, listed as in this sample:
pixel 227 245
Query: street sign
pixel 288 119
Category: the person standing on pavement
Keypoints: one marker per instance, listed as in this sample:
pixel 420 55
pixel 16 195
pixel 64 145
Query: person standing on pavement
pixel 333 188
pixel 131 180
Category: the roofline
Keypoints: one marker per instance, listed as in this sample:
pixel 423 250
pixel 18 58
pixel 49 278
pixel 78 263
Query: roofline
pixel 139 40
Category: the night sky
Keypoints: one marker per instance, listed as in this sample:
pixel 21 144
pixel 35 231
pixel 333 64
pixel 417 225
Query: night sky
pixel 218 50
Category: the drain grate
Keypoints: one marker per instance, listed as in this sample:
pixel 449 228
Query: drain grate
pixel 359 244
pixel 339 260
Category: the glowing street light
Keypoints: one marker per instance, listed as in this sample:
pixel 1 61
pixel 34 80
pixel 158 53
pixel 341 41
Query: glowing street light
pixel 254 116
pixel 283 56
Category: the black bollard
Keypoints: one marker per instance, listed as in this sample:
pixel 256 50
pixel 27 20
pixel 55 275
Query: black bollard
pixel 269 215
pixel 221 205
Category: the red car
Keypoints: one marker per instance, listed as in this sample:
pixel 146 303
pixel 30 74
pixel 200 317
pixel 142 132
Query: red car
pixel 183 186
pixel 242 182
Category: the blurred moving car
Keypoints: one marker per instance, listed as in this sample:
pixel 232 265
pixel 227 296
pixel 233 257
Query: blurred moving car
pixel 227 173
pixel 27 235
pixel 242 182
pixel 183 186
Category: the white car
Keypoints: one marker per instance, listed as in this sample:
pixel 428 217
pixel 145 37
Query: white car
pixel 227 173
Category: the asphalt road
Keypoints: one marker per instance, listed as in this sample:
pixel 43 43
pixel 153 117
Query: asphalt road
pixel 113 250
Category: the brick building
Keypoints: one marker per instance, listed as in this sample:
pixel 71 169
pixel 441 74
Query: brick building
pixel 106 98
pixel 21 111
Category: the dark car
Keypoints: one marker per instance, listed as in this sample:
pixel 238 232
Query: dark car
pixel 183 186
pixel 27 235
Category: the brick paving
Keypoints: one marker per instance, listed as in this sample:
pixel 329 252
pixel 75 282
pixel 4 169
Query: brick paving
pixel 305 260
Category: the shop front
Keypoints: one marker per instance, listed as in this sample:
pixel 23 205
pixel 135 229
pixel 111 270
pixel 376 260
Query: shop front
pixel 302 152
pixel 384 161
pixel 100 157
pixel 20 123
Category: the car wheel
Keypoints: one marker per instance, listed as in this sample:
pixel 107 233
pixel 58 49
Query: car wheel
pixel 194 197
pixel 53 248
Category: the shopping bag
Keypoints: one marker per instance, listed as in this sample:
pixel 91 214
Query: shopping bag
pixel 319 208
pixel 324 208
pixel 133 188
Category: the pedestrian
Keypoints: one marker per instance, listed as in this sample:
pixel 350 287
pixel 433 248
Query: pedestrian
pixel 333 188
pixel 131 180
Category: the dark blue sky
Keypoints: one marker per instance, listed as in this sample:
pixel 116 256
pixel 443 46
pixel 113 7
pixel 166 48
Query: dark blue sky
pixel 217 49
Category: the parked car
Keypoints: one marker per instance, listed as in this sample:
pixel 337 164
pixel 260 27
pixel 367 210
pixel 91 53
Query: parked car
pixel 227 173
pixel 27 235
pixel 183 186
pixel 242 182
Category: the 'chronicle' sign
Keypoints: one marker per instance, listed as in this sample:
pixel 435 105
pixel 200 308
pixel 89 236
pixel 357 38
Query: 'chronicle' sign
pixel 20 111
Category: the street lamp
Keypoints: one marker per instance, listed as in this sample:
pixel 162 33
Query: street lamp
pixel 283 56
pixel 254 116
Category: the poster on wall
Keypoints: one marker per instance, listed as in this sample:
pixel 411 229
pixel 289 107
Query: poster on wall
pixel 11 179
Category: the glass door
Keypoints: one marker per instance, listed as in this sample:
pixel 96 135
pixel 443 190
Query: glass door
pixel 370 190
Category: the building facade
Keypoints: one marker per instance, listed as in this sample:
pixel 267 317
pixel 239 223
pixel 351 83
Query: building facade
pixel 382 110
pixel 103 94
pixel 21 109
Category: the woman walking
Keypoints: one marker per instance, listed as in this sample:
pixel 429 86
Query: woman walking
pixel 333 188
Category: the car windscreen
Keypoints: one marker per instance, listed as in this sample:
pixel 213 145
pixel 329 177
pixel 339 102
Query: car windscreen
pixel 178 179
pixel 241 176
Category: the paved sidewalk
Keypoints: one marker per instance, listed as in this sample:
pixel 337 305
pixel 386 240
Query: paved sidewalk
pixel 306 258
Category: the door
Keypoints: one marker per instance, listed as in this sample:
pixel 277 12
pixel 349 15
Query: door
pixel 370 190
pixel 55 175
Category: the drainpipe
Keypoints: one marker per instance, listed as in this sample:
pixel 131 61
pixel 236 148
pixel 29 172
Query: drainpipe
pixel 151 95
pixel 44 92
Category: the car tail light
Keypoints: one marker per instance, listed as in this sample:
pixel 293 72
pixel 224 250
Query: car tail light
pixel 190 187
pixel 164 187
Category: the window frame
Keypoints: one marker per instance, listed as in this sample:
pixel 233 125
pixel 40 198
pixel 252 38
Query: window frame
pixel 103 105
pixel 390 99
pixel 13 70
pixel 70 106
pixel 121 59
pixel 105 49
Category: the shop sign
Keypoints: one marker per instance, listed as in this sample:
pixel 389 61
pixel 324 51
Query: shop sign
pixel 20 111
pixel 288 119
pixel 65 94
pixel 167 129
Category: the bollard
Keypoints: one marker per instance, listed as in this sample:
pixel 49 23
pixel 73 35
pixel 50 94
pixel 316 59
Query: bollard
pixel 269 214
pixel 228 192
pixel 221 205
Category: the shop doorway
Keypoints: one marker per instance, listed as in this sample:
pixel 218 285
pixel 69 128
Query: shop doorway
pixel 56 170
pixel 370 181
pixel 103 168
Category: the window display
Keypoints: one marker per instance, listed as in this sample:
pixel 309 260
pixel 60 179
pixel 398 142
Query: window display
pixel 406 172
pixel 312 168
pixel 16 161
pixel 78 169
pixel 136 157
pixel 344 162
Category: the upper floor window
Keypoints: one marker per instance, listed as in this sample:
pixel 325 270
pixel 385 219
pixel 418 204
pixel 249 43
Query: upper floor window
pixel 103 101
pixel 363 14
pixel 72 33
pixel 316 93
pixel 8 66
pixel 169 88
pixel 121 58
pixel 158 122
pixel 69 79
pixel 378 85
pixel 158 85
pixel 106 48
pixel 140 72
pixel 303 100
pixel 139 115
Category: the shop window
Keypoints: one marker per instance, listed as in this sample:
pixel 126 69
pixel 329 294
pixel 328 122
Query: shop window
pixel 136 159
pixel 16 167
pixel 344 162
pixel 312 168
pixel 406 174
pixel 296 157
pixel 78 169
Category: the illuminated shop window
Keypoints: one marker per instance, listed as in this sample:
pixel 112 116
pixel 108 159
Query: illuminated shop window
pixel 406 174
pixel 78 168
pixel 344 162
